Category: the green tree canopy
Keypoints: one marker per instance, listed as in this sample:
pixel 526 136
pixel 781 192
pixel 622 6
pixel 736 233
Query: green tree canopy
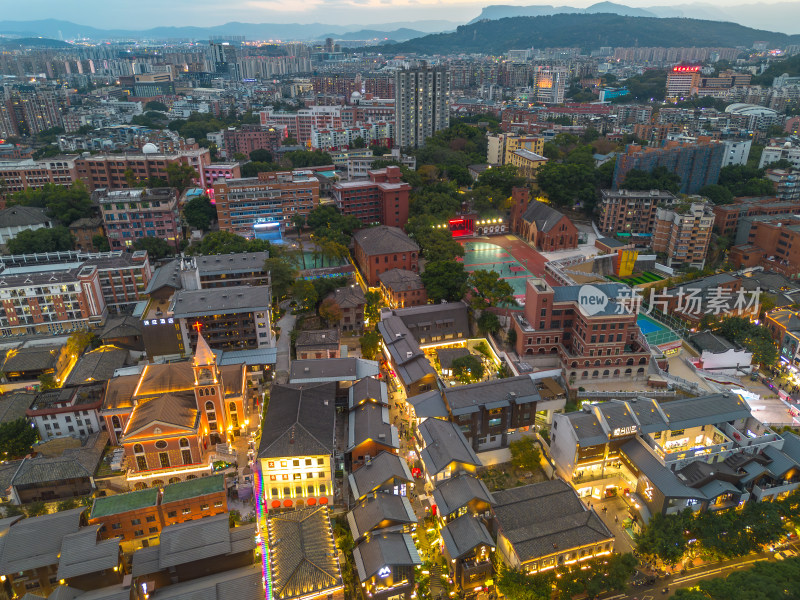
pixel 488 322
pixel 372 307
pixel 261 155
pixel 100 243
pixel 67 204
pixel 156 247
pixel 718 194
pixel 489 289
pixel 468 368
pixel 31 241
pixel 156 105
pixel 503 179
pixel 524 454
pixel 200 213
pixel 308 158
pixel 180 176
pixel 283 273
pixel 445 280
pixel 330 311
pixel 225 242
pixel 370 345
pixel 16 438
pixel 659 178
pixel 253 168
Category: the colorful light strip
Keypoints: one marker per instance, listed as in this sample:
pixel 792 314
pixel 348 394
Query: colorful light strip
pixel 264 533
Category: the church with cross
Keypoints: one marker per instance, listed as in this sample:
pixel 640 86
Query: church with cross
pixel 170 418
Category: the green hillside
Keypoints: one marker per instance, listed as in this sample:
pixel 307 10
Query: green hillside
pixel 588 31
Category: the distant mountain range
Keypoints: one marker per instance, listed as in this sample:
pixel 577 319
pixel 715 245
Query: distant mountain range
pixel 588 31
pixel 66 30
pixel 781 16
pixel 37 42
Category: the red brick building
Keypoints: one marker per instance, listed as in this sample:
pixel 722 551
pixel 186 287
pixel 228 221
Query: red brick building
pixel 401 288
pixel 381 249
pixel 170 421
pixel 144 513
pixel 108 170
pixel 606 344
pixel 383 199
pixel 727 216
pixel 771 243
pixel 540 224
pixel 250 137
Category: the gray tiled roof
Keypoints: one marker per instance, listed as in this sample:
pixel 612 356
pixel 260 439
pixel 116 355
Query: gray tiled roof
pixel 167 275
pixel 192 541
pixel 444 444
pixel 14 404
pixel 124 326
pixel 82 553
pixel 466 399
pixel 35 358
pixel 318 338
pixel 457 492
pixel 246 583
pixel 377 472
pixel 243 262
pixel 98 365
pixel 371 421
pixel 387 549
pixel 351 296
pixel 48 470
pixel 299 420
pixel 64 592
pixel 401 280
pixel 429 404
pixel 451 317
pixel 302 551
pixel 543 215
pixel 367 389
pixel 378 512
pixel 539 518
pixel 464 534
pixel 321 370
pixel 18 552
pixel 215 301
pixel 384 240
pixel 446 356
pixel 410 362
pixel 22 216
pixel 706 340
pixel 660 476
pixel 705 410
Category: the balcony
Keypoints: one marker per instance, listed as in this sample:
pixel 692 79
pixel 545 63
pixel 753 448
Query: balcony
pixel 753 436
pixel 770 491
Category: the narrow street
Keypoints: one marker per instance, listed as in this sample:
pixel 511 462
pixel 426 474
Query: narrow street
pixel 286 325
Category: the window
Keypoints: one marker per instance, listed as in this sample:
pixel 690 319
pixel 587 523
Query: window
pixel 163 457
pixel 218 503
pixel 150 519
pixel 320 461
pixel 204 507
pixel 187 510
pixel 172 514
pixel 308 462
pixel 116 526
pixel 138 532
pixel 321 474
pixel 495 422
pixel 153 530
pixel 322 489
pixel 136 521
pixel 296 463
pixel 161 444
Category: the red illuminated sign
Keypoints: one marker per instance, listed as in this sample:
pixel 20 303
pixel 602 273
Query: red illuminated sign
pixel 685 69
pixel 456 222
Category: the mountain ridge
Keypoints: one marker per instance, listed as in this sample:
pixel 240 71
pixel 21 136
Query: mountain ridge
pixel 57 28
pixel 588 31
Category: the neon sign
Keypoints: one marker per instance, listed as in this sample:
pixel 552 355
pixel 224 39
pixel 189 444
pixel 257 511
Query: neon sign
pixel 684 69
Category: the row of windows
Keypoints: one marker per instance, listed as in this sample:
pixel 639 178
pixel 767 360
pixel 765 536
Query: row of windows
pixel 295 463
pixel 298 490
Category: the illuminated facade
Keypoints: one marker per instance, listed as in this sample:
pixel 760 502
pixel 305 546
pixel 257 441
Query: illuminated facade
pixel 531 523
pixel 693 453
pixel 171 421
pixel 297 443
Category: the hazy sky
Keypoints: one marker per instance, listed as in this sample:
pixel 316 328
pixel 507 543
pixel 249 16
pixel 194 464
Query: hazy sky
pixel 150 13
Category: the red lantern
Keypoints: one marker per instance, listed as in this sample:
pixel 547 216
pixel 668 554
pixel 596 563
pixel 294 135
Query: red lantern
pixel 323 500
pixel 312 501
pixel 287 503
pixel 276 504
